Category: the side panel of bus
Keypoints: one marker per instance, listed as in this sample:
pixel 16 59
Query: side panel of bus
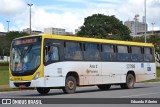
pixel 91 73
pixel 111 68
pixel 149 72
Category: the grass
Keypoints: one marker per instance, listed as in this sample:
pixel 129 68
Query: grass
pixel 15 89
pixel 8 89
pixel 4 64
pixel 4 75
pixel 158 72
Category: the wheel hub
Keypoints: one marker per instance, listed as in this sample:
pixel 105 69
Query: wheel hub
pixel 70 84
pixel 130 81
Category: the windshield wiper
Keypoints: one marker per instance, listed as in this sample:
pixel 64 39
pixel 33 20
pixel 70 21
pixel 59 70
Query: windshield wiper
pixel 28 50
pixel 19 51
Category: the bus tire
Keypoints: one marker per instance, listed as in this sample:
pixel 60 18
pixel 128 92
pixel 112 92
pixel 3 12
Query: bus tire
pixel 104 87
pixel 70 85
pixel 130 81
pixel 43 90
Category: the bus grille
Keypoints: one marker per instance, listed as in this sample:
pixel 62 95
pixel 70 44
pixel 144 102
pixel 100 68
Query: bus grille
pixel 23 84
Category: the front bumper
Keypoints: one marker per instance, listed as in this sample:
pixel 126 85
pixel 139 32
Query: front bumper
pixel 27 84
pixel 40 82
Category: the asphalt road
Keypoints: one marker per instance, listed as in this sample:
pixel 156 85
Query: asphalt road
pixel 141 90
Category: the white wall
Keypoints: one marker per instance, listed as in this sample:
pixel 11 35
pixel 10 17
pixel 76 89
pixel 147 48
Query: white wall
pixel 6 59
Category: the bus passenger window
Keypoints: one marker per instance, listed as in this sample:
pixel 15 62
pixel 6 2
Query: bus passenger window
pixel 73 51
pixel 51 53
pixel 54 53
pixel 47 53
pixel 122 49
pixel 91 52
pixel 123 53
pixel 136 54
pixel 148 54
pixel 107 52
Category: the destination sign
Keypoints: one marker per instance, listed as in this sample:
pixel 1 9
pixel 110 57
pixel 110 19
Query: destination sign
pixel 26 41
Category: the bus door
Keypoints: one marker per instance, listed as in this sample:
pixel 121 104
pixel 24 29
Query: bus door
pixel 51 56
pixel 51 52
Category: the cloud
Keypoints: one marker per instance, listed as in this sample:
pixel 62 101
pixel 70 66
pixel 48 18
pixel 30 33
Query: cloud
pixel 2 28
pixel 71 17
pixel 154 3
pixel 42 19
pixel 156 28
pixel 127 11
pixel 11 7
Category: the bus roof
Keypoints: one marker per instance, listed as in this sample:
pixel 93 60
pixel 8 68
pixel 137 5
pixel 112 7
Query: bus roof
pixel 84 39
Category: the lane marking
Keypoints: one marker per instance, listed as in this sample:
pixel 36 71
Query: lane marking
pixel 139 95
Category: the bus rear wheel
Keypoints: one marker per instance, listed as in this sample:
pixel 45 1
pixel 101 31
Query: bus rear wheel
pixel 43 90
pixel 70 85
pixel 130 81
pixel 104 87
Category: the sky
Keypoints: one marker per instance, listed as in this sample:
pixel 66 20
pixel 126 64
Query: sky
pixel 70 14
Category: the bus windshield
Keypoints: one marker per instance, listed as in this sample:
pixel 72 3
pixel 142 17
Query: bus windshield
pixel 25 56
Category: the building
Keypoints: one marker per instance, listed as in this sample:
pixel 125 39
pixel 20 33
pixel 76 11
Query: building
pixel 136 26
pixel 77 30
pixel 36 32
pixel 33 32
pixel 69 33
pixel 3 33
pixel 27 30
pixel 57 31
pixel 156 32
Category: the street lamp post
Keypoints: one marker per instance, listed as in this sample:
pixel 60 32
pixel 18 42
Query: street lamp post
pixel 145 24
pixel 8 24
pixel 30 17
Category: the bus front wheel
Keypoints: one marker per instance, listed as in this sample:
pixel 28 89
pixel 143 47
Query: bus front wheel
pixel 43 90
pixel 130 81
pixel 70 85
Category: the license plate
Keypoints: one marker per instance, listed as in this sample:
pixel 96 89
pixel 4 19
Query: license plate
pixel 22 86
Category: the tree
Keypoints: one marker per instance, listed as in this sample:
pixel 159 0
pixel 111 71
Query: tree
pixel 155 39
pixel 106 27
pixel 138 39
pixel 5 41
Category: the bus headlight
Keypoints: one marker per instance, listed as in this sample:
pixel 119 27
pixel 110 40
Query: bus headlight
pixel 36 76
pixel 10 79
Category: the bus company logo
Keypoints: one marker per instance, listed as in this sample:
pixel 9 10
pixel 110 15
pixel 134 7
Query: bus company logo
pixel 6 101
pixel 87 71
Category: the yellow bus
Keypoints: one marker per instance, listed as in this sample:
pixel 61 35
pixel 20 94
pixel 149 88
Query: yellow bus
pixel 47 62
